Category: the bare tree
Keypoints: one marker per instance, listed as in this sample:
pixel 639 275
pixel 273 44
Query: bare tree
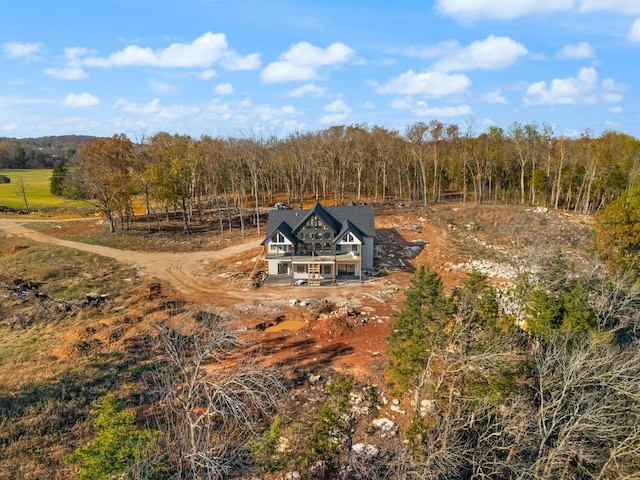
pixel 212 404
pixel 21 191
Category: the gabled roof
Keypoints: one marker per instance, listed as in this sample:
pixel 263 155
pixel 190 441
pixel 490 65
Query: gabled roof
pixel 323 215
pixel 284 228
pixel 359 216
pixel 347 226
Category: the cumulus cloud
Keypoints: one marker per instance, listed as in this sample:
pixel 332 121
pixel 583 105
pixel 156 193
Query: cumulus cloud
pixel 578 51
pixel 582 89
pixel 224 89
pixel 308 89
pixel 489 54
pixel 203 52
pixel 624 7
pixel 302 61
pixel 207 74
pixel 73 69
pixel 337 112
pixel 422 109
pixel 248 62
pixel 490 9
pixel 263 117
pixel 81 100
pixel 426 84
pixel 494 97
pixel 155 110
pixel 634 33
pixel 481 9
pixel 616 110
pixel 24 50
pixel 68 73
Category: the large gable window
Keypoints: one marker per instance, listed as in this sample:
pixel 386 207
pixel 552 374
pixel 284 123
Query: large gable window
pixel 348 238
pixel 278 237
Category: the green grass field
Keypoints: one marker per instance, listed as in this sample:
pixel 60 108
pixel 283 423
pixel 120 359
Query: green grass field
pixel 37 183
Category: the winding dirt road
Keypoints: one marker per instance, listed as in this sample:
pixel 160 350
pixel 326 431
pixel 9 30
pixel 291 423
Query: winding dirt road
pixel 199 276
pixel 179 269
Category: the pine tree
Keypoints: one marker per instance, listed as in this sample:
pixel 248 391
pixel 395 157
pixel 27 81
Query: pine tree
pixel 426 313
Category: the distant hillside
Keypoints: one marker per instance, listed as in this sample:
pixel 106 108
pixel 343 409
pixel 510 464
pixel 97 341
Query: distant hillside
pixel 42 152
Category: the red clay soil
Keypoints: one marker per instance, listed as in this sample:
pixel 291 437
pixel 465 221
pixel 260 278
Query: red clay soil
pixel 350 339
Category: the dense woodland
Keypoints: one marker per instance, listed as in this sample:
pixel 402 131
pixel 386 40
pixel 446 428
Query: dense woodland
pixel 427 163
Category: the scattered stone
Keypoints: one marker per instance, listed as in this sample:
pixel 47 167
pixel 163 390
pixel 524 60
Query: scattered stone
pixel 388 428
pixel 365 449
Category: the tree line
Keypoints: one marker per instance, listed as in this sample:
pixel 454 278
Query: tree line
pixel 42 152
pixel 427 163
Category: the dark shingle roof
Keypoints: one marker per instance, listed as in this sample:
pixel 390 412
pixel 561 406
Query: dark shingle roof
pixel 360 217
pixel 347 226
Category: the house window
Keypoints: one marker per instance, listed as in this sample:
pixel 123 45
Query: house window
pixel 348 237
pixel 278 237
pixel 300 269
pixel 346 269
pixel 283 268
pixel 326 270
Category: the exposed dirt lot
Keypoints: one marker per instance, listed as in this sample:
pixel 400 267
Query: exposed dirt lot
pixel 343 326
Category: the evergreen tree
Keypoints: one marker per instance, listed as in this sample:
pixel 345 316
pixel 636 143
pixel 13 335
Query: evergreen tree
pixel 117 447
pixel 426 313
pixel 57 179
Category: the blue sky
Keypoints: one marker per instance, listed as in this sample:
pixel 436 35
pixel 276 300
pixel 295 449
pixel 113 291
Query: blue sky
pixel 261 68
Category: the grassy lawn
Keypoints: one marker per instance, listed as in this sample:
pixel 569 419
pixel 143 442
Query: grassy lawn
pixel 37 183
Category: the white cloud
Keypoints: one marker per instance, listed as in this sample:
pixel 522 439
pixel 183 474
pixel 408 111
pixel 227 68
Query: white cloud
pixel 624 7
pixel 427 84
pixel 249 62
pixel 494 97
pixel 9 127
pixel 285 72
pixel 489 54
pixel 69 73
pixel 564 91
pixel 508 10
pixel 479 9
pixel 422 109
pixel 203 52
pixel 611 97
pixel 578 51
pixel 308 89
pixel 207 74
pixel 402 103
pixel 634 33
pixel 615 110
pixel 24 50
pixel 81 100
pixel 302 61
pixel 338 112
pixel 155 112
pixel 263 117
pixel 224 89
pixel 73 69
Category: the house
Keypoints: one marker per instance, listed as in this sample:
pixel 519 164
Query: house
pixel 321 244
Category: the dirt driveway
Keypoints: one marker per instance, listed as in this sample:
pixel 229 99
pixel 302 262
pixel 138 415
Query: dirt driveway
pixel 221 279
